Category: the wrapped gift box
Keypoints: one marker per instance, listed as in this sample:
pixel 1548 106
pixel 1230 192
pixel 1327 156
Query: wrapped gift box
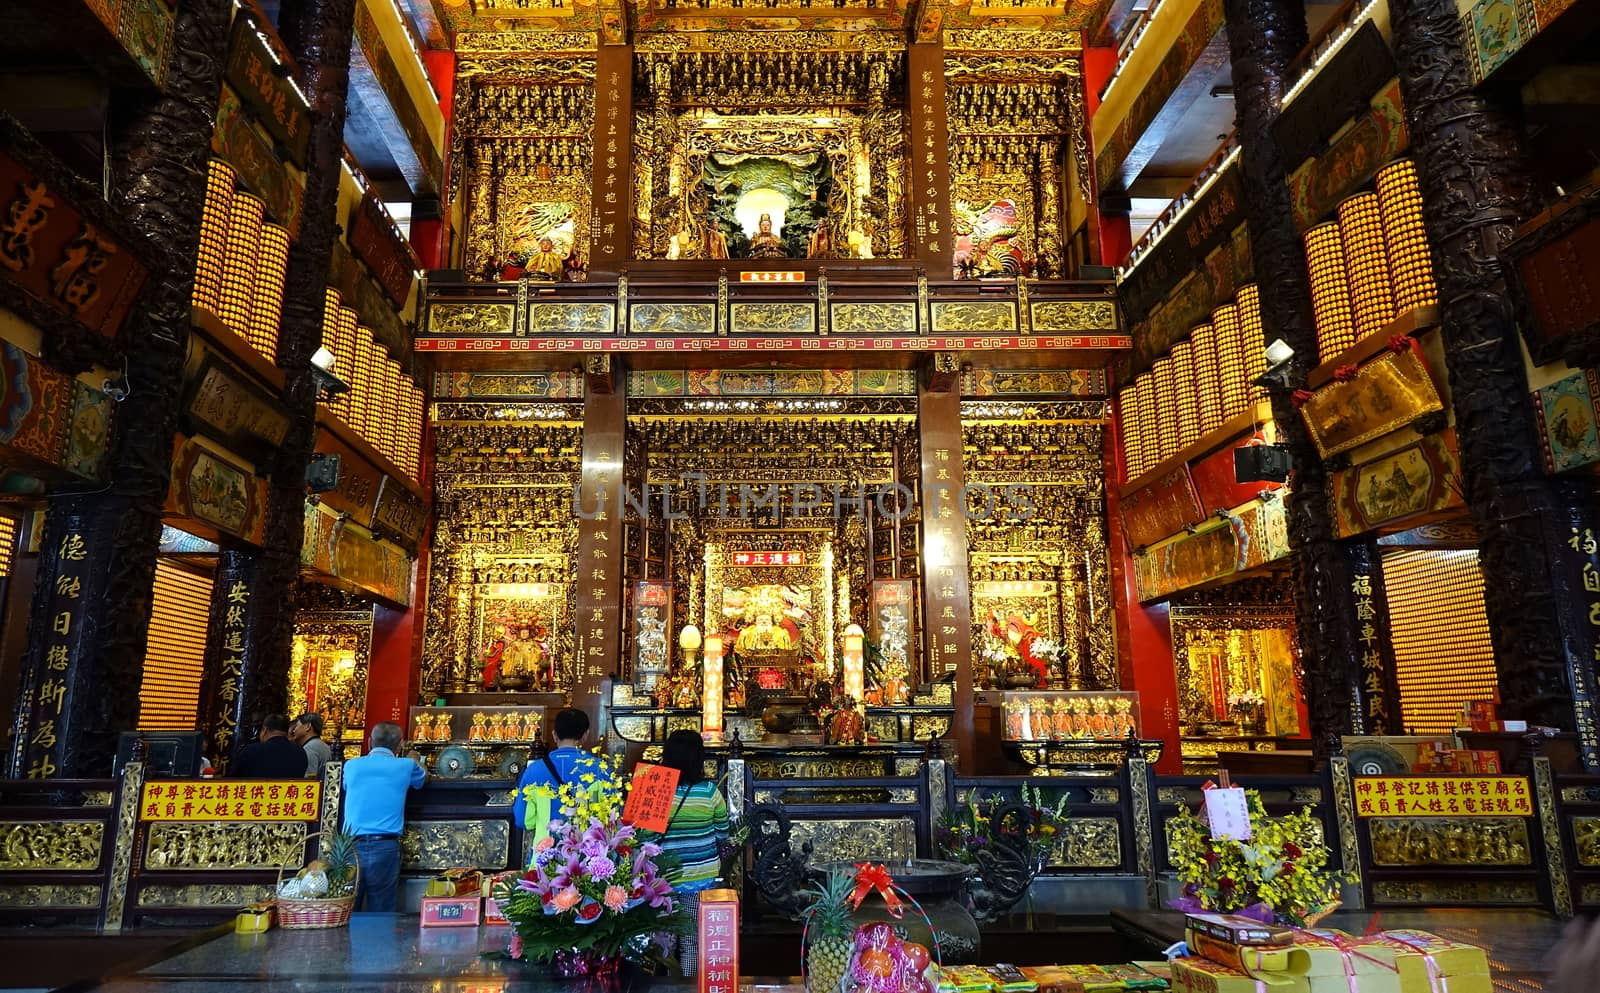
pixel 1052 979
pixel 256 918
pixel 1199 975
pixel 1132 977
pixel 455 882
pixel 1427 963
pixel 1333 955
pixel 1007 978
pixel 964 979
pixel 1161 970
pixel 1240 930
pixel 1254 960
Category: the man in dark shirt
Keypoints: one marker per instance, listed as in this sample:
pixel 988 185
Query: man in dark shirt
pixel 272 755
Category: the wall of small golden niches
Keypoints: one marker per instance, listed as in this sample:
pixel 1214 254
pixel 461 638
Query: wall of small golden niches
pixel 1371 263
pixel 241 263
pixel 384 406
pixel 1196 387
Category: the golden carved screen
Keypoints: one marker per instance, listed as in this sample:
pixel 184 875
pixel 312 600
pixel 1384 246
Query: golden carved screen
pixel 864 154
pixel 328 670
pixel 504 531
pixel 801 594
pixel 1228 657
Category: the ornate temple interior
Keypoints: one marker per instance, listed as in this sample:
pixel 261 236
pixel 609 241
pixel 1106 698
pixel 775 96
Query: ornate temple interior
pixel 1075 402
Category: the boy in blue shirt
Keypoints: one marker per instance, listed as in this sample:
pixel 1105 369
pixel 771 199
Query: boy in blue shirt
pixel 565 765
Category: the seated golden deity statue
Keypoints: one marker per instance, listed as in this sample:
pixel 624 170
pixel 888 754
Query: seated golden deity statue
pixel 763 636
pixel 522 658
pixel 545 263
pixel 765 244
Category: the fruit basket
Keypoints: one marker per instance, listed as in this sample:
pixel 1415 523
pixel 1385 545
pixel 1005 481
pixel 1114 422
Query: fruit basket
pixel 843 954
pixel 322 894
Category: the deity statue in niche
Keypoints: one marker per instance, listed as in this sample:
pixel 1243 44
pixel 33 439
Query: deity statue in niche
pixel 766 206
pixel 541 242
pixel 518 655
pixel 763 635
pixel 546 263
pixel 494 655
pixel 819 247
pixel 765 244
pixel 716 244
pixel 521 663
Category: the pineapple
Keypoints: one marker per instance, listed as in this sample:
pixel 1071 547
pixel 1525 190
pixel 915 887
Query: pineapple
pixel 339 855
pixel 830 930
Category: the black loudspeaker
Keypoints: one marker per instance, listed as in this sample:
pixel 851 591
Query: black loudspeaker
pixel 322 474
pixel 1261 464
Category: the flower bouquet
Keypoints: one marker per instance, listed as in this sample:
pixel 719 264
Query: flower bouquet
pixel 596 893
pixel 967 833
pixel 1279 876
pixel 1007 841
pixel 1249 709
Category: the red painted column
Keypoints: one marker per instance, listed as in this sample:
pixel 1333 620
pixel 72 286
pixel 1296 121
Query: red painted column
pixel 427 240
pixel 394 669
pixel 1116 238
pixel 1144 634
pixel 430 237
pixel 1111 233
pixel 1098 65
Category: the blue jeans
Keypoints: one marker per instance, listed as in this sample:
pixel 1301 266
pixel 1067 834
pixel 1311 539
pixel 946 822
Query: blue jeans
pixel 380 874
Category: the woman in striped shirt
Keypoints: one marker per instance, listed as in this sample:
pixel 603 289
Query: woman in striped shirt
pixel 696 830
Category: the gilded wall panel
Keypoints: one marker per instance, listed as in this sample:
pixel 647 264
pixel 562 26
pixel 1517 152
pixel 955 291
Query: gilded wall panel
pixel 471 318
pixel 85 896
pixel 433 845
pixel 1088 843
pixel 975 317
pixel 204 895
pixel 1456 892
pixel 773 318
pixel 672 318
pixel 217 846
pixel 571 318
pixel 856 840
pixel 875 318
pixel 1422 841
pixel 63 845
pixel 1088 316
pixel 1586 840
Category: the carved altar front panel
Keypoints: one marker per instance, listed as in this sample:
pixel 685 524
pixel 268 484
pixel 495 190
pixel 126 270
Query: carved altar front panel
pixel 856 840
pixel 504 540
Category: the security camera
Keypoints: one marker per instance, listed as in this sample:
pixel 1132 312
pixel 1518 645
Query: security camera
pixel 1278 353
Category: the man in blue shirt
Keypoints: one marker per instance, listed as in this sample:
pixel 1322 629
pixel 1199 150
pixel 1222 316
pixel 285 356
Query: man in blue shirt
pixel 375 788
pixel 564 765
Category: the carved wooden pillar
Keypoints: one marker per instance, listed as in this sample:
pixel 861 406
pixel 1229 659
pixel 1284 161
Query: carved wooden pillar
pixel 598 571
pixel 1263 38
pixel 92 599
pixel 947 601
pixel 932 241
pixel 318 34
pixel 611 241
pixel 1475 190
